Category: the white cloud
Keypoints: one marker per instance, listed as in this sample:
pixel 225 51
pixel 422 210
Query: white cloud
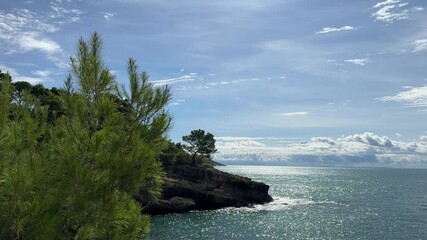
pixel 369 139
pixel 41 73
pixel 177 102
pixel 179 79
pixel 22 30
pixel 10 70
pixel 414 96
pixel 290 114
pixel 237 138
pixel 419 45
pixel 32 41
pixel 366 149
pixel 358 61
pixel 109 16
pixel 192 80
pixel 333 29
pixel 385 3
pixel 327 140
pixel 32 80
pixel 235 81
pixel 64 12
pixel 243 143
pixel 42 76
pixel 393 10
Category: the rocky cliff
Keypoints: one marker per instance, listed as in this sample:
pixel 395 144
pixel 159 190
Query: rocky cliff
pixel 195 188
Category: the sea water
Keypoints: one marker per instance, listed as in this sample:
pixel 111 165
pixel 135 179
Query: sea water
pixel 314 203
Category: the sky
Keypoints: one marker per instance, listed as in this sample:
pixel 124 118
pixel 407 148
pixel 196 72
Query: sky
pixel 286 82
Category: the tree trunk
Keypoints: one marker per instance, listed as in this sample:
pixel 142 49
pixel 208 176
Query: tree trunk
pixel 194 159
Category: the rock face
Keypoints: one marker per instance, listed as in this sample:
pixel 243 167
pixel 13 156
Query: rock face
pixel 195 188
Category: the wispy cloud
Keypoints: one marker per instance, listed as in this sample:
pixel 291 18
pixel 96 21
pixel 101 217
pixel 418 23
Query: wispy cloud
pixel 393 10
pixel 419 45
pixel 177 102
pixel 276 45
pixel 413 96
pixel 358 61
pixel 63 12
pixel 195 81
pixel 235 81
pixel 190 77
pixel 386 3
pixel 248 5
pixel 290 114
pixel 40 76
pixel 334 29
pixel 366 149
pixel 108 16
pixel 22 30
pixel 42 73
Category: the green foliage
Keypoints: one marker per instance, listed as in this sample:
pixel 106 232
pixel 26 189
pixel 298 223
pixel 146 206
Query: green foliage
pixel 174 154
pixel 5 77
pixel 201 145
pixel 19 89
pixel 145 103
pixel 72 159
pixel 48 98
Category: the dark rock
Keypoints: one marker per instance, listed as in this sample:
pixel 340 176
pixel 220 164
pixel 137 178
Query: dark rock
pixel 195 188
pixel 173 205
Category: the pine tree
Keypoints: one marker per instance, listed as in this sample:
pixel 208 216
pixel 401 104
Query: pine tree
pixel 74 176
pixel 199 144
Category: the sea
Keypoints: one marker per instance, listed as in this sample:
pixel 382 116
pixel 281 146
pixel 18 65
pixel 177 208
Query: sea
pixel 314 203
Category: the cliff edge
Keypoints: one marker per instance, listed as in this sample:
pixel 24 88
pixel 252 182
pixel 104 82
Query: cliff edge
pixel 189 188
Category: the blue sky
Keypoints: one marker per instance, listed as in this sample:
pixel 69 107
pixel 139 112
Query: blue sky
pixel 294 82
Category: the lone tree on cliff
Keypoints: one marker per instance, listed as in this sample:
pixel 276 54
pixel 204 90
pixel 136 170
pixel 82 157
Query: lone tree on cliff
pixel 200 143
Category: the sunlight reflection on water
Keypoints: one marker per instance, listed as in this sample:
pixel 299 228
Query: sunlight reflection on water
pixel 314 203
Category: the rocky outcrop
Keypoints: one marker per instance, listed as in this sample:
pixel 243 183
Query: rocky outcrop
pixel 195 188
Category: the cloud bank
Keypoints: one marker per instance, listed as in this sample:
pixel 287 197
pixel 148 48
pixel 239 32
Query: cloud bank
pixel 358 150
